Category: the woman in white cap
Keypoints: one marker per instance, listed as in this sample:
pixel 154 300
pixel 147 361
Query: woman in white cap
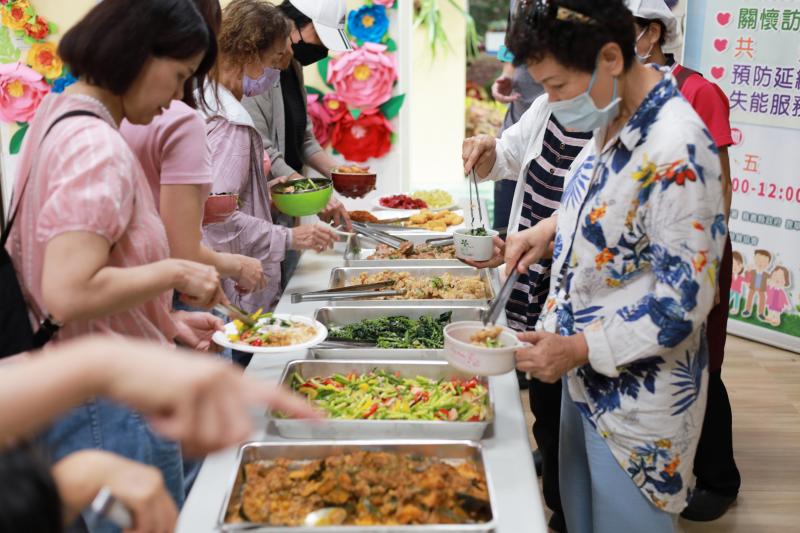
pixel 281 114
pixel 718 479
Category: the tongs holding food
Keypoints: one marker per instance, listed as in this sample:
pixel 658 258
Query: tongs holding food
pixel 370 290
pixel 233 312
pixel 404 246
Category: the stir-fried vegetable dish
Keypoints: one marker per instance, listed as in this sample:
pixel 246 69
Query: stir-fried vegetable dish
pixel 487 338
pixel 304 185
pixel 381 395
pixel 271 331
pixel 402 332
pixel 371 488
pixel 419 251
pixel 479 232
pixel 444 287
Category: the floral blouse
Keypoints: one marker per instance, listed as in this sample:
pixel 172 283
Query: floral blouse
pixel 640 235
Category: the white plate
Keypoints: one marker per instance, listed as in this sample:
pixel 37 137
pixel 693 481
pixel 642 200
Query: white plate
pixel 396 212
pixel 221 337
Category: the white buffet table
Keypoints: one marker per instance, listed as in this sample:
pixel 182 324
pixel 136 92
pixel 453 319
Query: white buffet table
pixel 517 502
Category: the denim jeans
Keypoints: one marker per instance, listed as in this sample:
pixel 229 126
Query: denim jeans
pixel 597 494
pixel 107 426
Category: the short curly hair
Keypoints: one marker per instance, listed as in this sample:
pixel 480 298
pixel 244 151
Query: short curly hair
pixel 250 28
pixel 538 31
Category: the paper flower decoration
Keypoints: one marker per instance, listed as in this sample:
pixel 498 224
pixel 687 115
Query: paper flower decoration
pixel 21 91
pixel 38 30
pixel 63 82
pixel 368 23
pixel 370 135
pixel 42 58
pixel 335 106
pixel 16 15
pixel 320 119
pixel 388 4
pixel 364 77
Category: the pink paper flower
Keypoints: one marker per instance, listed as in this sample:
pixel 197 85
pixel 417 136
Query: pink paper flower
pixel 364 77
pixel 335 106
pixel 21 91
pixel 385 3
pixel 320 119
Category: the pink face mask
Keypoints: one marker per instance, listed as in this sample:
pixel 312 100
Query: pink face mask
pixel 260 85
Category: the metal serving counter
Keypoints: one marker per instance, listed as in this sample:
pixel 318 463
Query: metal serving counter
pixel 516 499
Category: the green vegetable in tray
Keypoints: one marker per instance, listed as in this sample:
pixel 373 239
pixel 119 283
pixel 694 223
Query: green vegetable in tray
pixel 381 395
pixel 396 332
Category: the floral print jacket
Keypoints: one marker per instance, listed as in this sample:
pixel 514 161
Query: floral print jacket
pixel 640 234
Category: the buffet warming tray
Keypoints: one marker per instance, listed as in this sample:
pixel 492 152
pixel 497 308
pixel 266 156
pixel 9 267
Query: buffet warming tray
pixel 341 277
pixel 380 429
pixel 358 249
pixel 342 316
pixel 452 451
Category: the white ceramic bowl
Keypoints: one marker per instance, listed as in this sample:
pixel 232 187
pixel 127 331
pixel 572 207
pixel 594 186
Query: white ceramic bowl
pixel 473 247
pixel 472 359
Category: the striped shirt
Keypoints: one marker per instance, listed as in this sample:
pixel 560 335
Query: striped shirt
pixel 85 178
pixel 543 188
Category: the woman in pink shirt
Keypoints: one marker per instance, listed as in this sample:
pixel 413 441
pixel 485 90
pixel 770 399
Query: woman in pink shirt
pixel 253 37
pixel 89 247
pixel 174 153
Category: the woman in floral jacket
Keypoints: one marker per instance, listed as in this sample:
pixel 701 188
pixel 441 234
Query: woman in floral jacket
pixel 636 244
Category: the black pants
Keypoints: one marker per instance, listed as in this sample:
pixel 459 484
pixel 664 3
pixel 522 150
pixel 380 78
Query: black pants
pixel 714 465
pixel 503 196
pixel 545 399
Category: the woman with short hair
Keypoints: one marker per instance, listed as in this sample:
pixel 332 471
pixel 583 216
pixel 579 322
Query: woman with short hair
pixel 636 243
pixel 253 39
pixel 88 245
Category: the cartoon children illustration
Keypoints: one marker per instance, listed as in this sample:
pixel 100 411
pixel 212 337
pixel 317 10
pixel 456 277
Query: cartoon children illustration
pixel 757 284
pixel 737 285
pixel 777 300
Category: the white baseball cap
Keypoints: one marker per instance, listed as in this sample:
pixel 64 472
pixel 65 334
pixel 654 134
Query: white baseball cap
pixel 656 10
pixel 328 17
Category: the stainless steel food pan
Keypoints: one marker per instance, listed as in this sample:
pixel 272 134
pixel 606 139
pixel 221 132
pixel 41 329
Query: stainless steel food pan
pixel 358 249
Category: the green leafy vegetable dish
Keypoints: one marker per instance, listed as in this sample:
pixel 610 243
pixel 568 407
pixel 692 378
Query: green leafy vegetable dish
pixel 381 395
pixel 479 232
pixel 396 332
pixel 303 185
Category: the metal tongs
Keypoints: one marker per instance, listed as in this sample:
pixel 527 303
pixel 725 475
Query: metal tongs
pixel 371 290
pixel 231 311
pixel 380 236
pixel 106 506
pixel 489 316
pixel 472 206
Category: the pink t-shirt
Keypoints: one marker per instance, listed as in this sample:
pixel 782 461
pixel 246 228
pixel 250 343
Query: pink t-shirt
pixel 85 178
pixel 173 149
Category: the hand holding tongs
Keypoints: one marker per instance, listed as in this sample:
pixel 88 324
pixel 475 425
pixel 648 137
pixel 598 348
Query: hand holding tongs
pixel 370 290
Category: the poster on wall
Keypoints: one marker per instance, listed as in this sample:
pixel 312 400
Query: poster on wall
pixel 751 49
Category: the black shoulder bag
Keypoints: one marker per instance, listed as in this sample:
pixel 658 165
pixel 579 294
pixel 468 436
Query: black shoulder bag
pixel 16 333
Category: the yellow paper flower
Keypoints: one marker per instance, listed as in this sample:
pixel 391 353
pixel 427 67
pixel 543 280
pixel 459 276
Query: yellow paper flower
pixel 42 58
pixel 16 16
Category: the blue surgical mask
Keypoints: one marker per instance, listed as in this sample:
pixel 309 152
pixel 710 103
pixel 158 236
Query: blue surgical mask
pixel 260 85
pixel 581 113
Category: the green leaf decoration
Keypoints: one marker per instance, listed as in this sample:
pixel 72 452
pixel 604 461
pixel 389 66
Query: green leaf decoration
pixel 391 46
pixel 393 138
pixel 355 112
pixel 391 108
pixel 322 68
pixel 52 27
pixel 314 90
pixel 8 52
pixel 15 144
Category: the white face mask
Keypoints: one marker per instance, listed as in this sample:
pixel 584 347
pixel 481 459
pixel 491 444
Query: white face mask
pixel 642 59
pixel 581 113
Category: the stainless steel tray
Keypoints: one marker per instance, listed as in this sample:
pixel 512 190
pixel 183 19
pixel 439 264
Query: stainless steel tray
pixel 342 316
pixel 358 249
pixel 380 429
pixel 341 276
pixel 449 450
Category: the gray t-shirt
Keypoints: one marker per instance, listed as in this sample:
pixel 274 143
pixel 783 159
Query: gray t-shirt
pixel 524 85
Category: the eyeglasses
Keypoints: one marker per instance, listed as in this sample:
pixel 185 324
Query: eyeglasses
pixel 541 9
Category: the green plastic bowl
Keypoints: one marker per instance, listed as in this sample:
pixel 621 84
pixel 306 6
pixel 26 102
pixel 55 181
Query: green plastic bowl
pixel 302 203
